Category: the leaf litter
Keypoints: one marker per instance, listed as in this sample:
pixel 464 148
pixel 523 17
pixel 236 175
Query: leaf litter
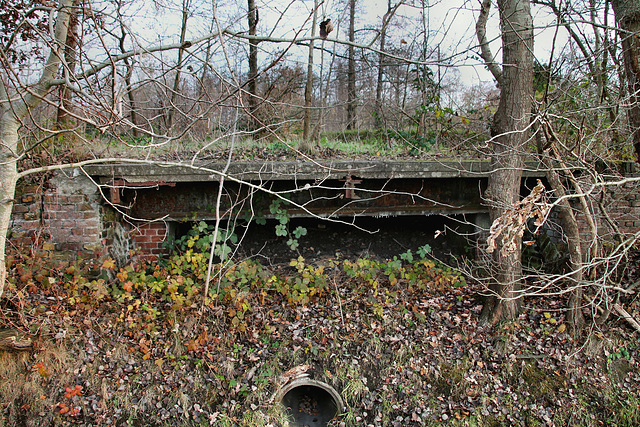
pixel 399 354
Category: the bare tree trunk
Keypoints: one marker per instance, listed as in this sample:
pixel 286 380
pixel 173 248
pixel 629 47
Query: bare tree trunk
pixel 509 132
pixel 380 82
pixel 12 110
pixel 351 71
pixel 63 117
pixel 132 102
pixel 570 227
pixel 628 17
pixel 305 144
pixel 128 63
pixel 485 51
pixel 252 86
pixel 176 80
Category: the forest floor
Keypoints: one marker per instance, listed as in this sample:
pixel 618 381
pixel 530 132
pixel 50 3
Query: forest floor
pixel 401 349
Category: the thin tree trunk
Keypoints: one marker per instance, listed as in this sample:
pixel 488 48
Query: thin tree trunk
pixel 351 71
pixel 570 227
pixel 176 80
pixel 380 79
pixel 509 132
pixel 305 144
pixel 485 51
pixel 129 88
pixel 252 86
pixel 64 117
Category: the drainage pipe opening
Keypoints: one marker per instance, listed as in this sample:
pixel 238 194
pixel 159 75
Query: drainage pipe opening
pixel 310 403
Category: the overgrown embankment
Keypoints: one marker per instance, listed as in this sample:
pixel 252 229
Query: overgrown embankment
pixel 399 339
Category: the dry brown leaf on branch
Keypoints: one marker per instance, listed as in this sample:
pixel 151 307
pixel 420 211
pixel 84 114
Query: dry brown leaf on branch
pixel 508 229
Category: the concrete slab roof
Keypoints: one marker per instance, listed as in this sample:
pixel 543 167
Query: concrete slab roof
pixel 298 170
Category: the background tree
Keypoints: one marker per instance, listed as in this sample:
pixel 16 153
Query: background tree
pixel 252 17
pixel 351 71
pixel 63 118
pixel 628 17
pixel 308 90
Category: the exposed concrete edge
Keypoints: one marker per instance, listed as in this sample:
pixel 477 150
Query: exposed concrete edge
pixel 301 170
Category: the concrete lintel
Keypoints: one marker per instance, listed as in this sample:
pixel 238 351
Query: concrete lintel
pixel 300 170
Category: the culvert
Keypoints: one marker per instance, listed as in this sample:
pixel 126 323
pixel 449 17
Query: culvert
pixel 310 403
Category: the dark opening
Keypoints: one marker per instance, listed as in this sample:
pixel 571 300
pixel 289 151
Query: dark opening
pixel 390 236
pixel 384 237
pixel 310 405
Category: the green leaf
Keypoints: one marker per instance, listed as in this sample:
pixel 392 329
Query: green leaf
pixel 293 244
pixel 299 232
pixel 281 230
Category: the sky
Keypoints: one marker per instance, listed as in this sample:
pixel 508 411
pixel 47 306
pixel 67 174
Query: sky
pixel 450 25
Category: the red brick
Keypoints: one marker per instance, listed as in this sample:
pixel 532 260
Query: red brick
pixel 60 232
pixel 33 189
pixel 67 223
pixel 29 225
pixel 77 231
pixel 75 199
pixel 49 215
pixel 156 227
pixel 20 209
pixel 147 246
pixel 87 223
pixel 51 199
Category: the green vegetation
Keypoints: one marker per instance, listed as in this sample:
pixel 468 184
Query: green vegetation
pixel 399 338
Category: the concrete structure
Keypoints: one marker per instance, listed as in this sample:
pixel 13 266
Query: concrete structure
pixel 119 208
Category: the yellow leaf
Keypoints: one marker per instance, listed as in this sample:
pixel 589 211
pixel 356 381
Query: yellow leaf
pixel 547 315
pixel 553 321
pixel 109 264
pixel 562 328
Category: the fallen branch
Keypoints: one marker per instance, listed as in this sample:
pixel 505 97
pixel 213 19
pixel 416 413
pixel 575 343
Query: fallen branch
pixel 625 314
pixel 11 340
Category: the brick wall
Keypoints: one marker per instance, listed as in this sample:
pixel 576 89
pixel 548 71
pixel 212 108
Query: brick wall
pixel 68 214
pixel 63 215
pixel 623 206
pixel 148 239
pixel 26 217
